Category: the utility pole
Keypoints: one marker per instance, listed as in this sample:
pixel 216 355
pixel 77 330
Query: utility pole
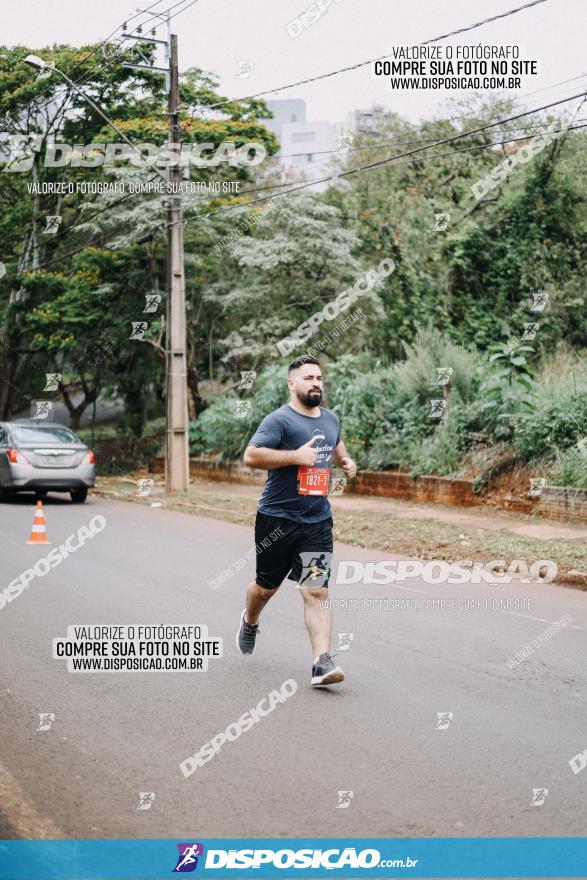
pixel 176 437
pixel 176 401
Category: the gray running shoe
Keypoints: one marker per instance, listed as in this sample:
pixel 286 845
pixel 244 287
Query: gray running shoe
pixel 325 672
pixel 246 636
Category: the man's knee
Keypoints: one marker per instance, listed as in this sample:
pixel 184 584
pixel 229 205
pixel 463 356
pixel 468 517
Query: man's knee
pixel 314 594
pixel 264 592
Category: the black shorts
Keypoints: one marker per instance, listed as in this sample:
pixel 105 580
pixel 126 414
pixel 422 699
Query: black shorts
pixel 300 551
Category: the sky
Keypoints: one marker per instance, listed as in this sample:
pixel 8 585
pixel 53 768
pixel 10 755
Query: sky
pixel 217 34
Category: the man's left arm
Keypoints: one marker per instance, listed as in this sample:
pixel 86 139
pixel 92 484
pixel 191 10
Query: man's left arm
pixel 342 458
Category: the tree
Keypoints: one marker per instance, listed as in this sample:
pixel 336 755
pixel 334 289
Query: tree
pixel 90 227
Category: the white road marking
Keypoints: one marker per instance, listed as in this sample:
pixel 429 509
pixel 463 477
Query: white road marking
pixel 409 589
pixel 541 619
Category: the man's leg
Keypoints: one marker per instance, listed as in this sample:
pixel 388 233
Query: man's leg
pixel 318 618
pixel 311 569
pixel 273 564
pixel 257 598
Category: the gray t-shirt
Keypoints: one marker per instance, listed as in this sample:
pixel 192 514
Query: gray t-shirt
pixel 297 493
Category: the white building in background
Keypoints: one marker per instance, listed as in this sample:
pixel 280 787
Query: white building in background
pixel 285 112
pixel 307 148
pixel 373 121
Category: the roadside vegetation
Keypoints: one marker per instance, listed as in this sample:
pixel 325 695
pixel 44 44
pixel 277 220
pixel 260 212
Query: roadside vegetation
pixel 459 296
pixel 511 416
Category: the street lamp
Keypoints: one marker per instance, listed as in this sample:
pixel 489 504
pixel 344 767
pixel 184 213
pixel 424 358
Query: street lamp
pixel 37 62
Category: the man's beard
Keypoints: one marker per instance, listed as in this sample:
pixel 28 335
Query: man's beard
pixel 309 398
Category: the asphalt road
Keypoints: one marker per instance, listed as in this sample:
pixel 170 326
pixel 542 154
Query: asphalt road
pixel 115 735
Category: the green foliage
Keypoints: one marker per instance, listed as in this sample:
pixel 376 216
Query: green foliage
pixel 570 469
pixel 365 401
pixel 118 451
pixel 217 431
pixel 377 412
pixel 441 452
pixel 385 425
pixel 406 425
pixel 295 258
pixel 557 423
pixel 77 321
pixel 457 298
pixel 507 392
pixel 431 349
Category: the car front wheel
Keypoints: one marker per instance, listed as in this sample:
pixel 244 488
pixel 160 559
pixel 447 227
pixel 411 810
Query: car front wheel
pixel 78 496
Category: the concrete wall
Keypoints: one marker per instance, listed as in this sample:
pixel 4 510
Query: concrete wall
pixel 555 502
pixel 562 502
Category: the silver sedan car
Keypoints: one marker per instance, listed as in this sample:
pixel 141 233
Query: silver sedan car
pixel 42 457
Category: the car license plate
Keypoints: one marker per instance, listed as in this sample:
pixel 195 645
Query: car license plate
pixel 55 460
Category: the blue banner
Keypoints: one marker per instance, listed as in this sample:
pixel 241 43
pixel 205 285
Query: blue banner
pixel 299 857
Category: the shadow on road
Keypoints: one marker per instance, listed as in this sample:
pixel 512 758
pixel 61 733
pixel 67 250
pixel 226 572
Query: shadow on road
pixel 27 498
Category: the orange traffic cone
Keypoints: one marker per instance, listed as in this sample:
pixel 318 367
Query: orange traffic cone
pixel 39 532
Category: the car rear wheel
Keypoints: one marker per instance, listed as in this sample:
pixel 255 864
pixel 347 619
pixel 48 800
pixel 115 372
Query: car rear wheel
pixel 41 493
pixel 5 494
pixel 78 496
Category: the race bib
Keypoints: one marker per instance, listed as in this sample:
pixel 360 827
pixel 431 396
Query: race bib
pixel 313 480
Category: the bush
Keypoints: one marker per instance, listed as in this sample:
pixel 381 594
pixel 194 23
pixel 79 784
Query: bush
pixel 382 423
pixel 431 349
pixel 384 412
pixel 216 430
pixel 570 469
pixel 507 393
pixel 442 452
pixel 405 425
pixel 368 404
pixel 378 414
pixel 558 423
pixel 118 451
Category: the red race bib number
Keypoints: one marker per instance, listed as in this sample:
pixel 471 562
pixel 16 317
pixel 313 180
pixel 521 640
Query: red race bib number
pixel 313 480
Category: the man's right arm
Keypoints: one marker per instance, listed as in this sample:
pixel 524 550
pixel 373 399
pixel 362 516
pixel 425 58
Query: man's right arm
pixel 264 458
pixel 267 459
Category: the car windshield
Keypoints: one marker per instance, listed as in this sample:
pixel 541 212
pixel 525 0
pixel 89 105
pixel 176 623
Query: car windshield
pixel 50 434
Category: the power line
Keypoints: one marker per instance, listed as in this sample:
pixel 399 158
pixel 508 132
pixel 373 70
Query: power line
pixel 142 12
pixel 75 67
pixel 191 3
pixel 105 63
pixel 75 85
pixel 265 198
pixel 378 163
pixel 518 98
pixel 410 152
pixel 311 79
pixel 408 161
pixel 66 92
pixel 420 149
pixel 360 169
pixel 375 146
pixel 122 198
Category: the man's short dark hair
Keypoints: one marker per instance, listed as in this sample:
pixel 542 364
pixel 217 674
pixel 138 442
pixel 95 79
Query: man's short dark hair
pixel 301 361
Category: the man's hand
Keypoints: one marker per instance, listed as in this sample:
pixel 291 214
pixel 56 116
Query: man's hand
pixel 306 455
pixel 349 467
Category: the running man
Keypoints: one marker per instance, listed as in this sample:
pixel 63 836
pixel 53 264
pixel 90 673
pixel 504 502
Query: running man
pixel 297 444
